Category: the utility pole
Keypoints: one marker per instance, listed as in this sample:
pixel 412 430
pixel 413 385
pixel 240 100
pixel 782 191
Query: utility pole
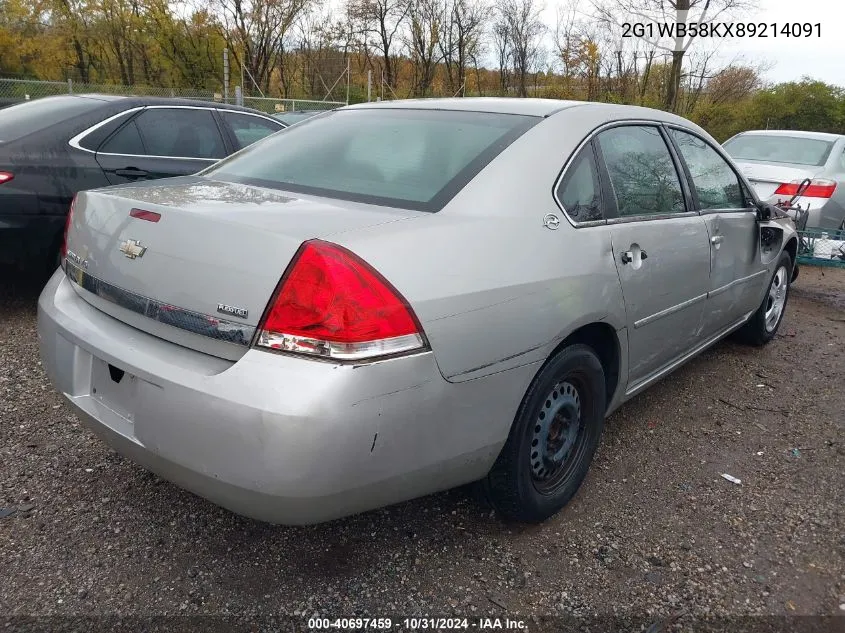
pixel 369 85
pixel 225 75
pixel 348 73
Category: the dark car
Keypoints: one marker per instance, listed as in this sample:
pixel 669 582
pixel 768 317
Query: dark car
pixel 51 148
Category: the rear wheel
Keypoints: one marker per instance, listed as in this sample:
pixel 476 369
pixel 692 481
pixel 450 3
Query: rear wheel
pixel 764 323
pixel 552 440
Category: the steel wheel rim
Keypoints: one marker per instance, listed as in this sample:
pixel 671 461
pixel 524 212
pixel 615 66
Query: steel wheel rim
pixel 776 299
pixel 557 436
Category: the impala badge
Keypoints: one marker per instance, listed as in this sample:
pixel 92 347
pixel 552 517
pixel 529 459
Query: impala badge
pixel 233 310
pixel 132 249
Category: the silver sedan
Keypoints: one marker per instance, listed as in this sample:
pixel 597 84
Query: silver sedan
pixel 394 299
pixel 776 162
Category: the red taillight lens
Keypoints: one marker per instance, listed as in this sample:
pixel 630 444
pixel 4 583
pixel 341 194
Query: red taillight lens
pixel 6 176
pixel 149 216
pixel 68 220
pixel 331 303
pixel 817 189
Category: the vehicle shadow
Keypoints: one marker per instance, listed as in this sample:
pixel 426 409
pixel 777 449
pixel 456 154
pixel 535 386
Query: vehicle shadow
pixel 19 289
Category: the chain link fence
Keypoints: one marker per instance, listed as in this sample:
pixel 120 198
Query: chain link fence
pixel 18 90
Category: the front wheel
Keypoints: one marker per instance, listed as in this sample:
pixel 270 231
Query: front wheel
pixel 552 440
pixel 764 323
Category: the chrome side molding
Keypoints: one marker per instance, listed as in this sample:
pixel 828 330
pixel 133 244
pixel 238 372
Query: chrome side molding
pixel 188 320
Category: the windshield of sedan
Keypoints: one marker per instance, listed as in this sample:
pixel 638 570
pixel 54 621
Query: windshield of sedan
pixel 779 149
pixel 25 118
pixel 413 159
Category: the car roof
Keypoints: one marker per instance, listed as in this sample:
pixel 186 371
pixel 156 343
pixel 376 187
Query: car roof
pixel 821 136
pixel 134 100
pixel 526 106
pixel 502 105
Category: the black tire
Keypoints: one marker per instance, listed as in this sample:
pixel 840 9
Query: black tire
pixel 763 325
pixel 522 485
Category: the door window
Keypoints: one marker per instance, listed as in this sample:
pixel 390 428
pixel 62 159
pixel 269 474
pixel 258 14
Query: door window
pixel 127 140
pixel 642 172
pixel 248 129
pixel 579 191
pixel 716 184
pixel 180 133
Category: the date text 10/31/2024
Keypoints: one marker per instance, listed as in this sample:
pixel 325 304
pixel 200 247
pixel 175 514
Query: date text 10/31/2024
pixel 416 624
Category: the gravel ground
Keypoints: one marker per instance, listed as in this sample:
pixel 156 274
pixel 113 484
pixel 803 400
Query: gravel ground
pixel 654 531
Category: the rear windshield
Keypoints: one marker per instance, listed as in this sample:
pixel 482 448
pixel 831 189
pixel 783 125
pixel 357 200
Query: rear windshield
pixel 779 149
pixel 295 117
pixel 414 159
pixel 25 118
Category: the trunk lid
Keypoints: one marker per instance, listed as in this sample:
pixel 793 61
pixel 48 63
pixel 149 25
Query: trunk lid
pixel 203 273
pixel 767 177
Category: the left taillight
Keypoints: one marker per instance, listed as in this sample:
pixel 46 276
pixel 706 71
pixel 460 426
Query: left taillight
pixel 68 220
pixel 330 303
pixel 6 176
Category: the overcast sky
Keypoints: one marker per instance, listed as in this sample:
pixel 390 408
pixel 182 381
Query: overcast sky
pixel 790 58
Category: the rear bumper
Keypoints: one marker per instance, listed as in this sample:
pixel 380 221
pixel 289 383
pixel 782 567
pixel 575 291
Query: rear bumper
pixel 274 437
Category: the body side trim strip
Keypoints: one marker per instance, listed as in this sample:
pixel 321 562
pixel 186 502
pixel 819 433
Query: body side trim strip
pixel 195 322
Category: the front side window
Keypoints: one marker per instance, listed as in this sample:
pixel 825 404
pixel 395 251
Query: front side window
pixel 579 191
pixel 716 184
pixel 247 128
pixel 413 159
pixel 180 133
pixel 642 172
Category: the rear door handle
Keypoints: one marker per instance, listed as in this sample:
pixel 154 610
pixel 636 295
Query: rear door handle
pixel 131 172
pixel 716 240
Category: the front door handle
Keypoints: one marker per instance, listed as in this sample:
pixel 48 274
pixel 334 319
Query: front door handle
pixel 132 172
pixel 716 240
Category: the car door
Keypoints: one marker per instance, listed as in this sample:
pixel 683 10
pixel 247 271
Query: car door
pixel 162 141
pixel 245 128
pixel 736 268
pixel 660 247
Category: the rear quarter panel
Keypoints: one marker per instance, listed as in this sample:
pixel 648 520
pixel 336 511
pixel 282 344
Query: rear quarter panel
pixel 493 288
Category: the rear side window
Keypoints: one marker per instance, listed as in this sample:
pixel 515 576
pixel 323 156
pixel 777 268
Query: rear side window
pixel 127 140
pixel 23 119
pixel 716 184
pixel 248 129
pixel 778 148
pixel 415 159
pixel 180 133
pixel 642 172
pixel 579 191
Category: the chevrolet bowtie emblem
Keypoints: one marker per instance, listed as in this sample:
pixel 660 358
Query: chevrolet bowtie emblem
pixel 132 249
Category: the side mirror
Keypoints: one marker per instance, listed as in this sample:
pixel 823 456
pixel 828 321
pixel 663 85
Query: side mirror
pixel 766 211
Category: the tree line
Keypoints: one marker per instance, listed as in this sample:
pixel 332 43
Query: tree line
pixel 412 48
